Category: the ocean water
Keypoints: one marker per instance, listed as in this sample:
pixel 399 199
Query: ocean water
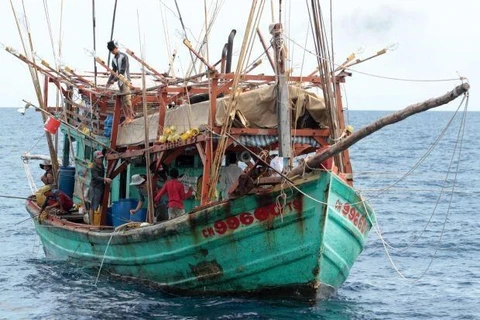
pixel 431 269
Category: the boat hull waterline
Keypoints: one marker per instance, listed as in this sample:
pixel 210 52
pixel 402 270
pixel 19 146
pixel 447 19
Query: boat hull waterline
pixel 244 246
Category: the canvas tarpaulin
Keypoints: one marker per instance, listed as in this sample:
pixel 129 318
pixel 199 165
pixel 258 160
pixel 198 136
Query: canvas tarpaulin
pixel 257 106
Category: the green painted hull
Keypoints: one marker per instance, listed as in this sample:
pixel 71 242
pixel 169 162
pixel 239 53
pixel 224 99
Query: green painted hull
pixel 245 246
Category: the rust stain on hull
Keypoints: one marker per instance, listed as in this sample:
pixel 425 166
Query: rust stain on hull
pixel 207 270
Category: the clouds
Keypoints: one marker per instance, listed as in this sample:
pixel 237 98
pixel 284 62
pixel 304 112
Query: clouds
pixel 436 40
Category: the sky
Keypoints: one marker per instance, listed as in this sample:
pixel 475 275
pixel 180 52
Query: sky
pixel 436 40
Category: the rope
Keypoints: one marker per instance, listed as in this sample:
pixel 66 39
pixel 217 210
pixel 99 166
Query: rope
pixel 104 255
pixel 375 75
pixel 49 25
pixel 94 25
pixel 458 145
pixel 253 21
pixel 113 28
pixel 12 197
pixel 26 167
pixel 185 35
pixel 28 173
pixel 427 153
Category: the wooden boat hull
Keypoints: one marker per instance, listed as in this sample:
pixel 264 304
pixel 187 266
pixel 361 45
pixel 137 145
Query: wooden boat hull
pixel 243 246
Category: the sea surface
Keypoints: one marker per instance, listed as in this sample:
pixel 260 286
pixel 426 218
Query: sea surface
pixel 422 262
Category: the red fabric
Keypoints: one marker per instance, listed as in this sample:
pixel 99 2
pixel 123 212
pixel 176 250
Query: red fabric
pixel 67 202
pixel 175 192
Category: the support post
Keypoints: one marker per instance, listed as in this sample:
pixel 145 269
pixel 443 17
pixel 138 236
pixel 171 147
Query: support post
pixel 282 102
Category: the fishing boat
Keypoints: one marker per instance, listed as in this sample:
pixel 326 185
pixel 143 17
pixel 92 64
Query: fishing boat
pixel 294 231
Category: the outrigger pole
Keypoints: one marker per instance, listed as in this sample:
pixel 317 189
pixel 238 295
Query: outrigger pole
pixel 344 144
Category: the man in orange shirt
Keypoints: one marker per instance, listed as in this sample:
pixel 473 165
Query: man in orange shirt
pixel 176 194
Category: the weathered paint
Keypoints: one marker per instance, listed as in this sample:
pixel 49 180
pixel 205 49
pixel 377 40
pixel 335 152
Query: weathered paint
pixel 246 245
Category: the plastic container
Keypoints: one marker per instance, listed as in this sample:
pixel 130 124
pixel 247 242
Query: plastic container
pixel 40 196
pixel 66 180
pixel 51 125
pixel 109 216
pixel 107 126
pixel 121 211
pixel 139 216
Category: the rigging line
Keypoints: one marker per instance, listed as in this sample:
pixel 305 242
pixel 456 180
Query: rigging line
pixel 104 255
pixel 170 9
pixel 13 197
pixel 254 35
pixel 427 153
pixel 402 79
pixel 50 33
pixel 206 28
pixel 253 21
pixel 411 170
pixel 344 89
pixel 185 35
pixel 33 70
pixel 60 30
pixel 460 138
pixel 166 35
pixel 113 27
pixel 409 191
pixel 304 52
pixel 204 42
pixel 331 35
pixel 41 137
pixel 94 42
pixel 375 75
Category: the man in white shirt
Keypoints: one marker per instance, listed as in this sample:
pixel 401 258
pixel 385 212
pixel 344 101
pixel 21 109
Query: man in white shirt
pixel 229 175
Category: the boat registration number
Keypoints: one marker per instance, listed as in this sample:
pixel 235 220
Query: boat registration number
pixel 247 218
pixel 352 214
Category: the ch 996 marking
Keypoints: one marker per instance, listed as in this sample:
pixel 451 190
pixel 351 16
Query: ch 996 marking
pixel 220 227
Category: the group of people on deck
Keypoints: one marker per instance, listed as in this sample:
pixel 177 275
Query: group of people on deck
pixel 173 189
pixel 55 199
pixel 176 193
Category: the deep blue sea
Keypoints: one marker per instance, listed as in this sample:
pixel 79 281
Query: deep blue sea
pixel 431 270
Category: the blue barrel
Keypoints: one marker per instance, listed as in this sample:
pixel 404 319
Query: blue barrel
pixel 107 126
pixel 121 211
pixel 109 216
pixel 66 180
pixel 139 216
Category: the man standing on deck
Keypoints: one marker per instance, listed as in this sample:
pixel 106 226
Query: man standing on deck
pixel 229 175
pixel 175 192
pixel 121 66
pixel 97 183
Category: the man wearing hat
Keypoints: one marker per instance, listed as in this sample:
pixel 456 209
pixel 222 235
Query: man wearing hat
pixel 56 199
pixel 97 183
pixel 47 177
pixel 139 181
pixel 121 66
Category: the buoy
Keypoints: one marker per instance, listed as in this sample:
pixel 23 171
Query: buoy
pixel 51 125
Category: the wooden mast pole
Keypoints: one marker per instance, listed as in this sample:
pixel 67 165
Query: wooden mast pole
pixel 282 103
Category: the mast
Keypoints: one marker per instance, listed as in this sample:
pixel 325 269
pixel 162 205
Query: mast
pixel 282 104
pixel 94 25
